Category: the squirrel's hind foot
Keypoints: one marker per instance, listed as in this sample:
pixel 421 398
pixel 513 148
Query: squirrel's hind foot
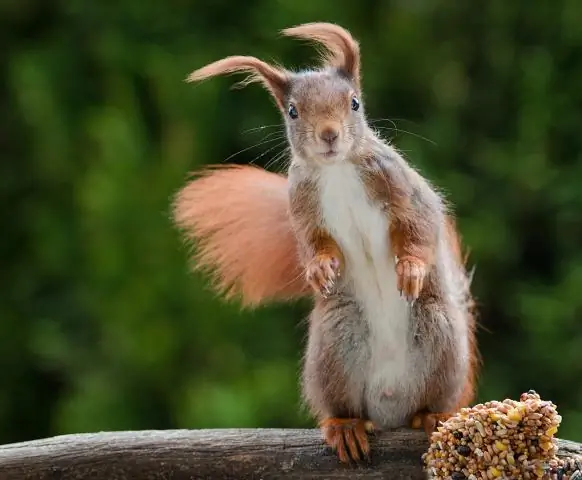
pixel 429 421
pixel 348 437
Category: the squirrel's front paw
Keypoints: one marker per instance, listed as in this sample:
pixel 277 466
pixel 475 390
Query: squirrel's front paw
pixel 411 272
pixel 322 273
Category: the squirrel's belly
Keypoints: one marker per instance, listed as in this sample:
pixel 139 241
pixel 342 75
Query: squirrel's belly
pixel 394 368
pixel 361 230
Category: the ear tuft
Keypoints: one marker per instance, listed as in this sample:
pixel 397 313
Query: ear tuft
pixel 342 50
pixel 274 79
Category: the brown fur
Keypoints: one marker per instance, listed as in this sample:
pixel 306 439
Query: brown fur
pixel 475 359
pixel 320 254
pixel 265 238
pixel 414 210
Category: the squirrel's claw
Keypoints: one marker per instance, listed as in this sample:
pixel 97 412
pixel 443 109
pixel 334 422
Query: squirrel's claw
pixel 322 273
pixel 327 289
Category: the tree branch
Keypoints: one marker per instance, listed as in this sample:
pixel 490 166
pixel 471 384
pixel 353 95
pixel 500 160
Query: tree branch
pixel 212 454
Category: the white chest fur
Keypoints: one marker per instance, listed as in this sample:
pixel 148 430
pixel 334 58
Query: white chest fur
pixel 361 230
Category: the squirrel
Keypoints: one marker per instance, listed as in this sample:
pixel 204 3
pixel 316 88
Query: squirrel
pixel 391 337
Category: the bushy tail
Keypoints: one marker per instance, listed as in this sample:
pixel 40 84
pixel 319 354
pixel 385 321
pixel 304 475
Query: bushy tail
pixel 238 217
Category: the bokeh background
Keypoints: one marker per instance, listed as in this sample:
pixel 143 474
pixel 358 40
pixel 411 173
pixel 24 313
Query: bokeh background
pixel 102 324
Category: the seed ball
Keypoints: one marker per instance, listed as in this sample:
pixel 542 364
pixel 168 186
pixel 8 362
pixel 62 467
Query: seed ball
pixel 506 440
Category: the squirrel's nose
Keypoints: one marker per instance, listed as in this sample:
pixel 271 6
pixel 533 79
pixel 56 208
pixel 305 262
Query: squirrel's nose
pixel 329 135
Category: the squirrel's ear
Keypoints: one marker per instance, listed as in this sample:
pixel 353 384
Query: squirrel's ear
pixel 343 51
pixel 274 79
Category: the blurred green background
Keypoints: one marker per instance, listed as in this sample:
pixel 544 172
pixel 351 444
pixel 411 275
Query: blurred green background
pixel 103 326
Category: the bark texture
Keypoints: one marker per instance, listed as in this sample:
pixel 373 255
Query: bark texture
pixel 212 454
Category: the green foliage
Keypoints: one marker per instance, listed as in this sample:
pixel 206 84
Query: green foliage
pixel 102 326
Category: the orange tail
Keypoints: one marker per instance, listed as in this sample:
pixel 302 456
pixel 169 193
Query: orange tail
pixel 238 215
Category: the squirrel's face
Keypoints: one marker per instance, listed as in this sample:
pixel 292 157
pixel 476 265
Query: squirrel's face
pixel 324 117
pixel 323 110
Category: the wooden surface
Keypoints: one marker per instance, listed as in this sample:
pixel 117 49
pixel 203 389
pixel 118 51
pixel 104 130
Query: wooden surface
pixel 211 454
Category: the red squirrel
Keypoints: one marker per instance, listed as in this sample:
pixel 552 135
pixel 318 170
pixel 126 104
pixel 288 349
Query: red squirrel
pixel 392 332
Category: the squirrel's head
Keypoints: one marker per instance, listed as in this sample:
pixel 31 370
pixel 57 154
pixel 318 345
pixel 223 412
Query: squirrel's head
pixel 322 108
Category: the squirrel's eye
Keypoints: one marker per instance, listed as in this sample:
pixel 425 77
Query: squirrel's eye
pixel 293 112
pixel 355 104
